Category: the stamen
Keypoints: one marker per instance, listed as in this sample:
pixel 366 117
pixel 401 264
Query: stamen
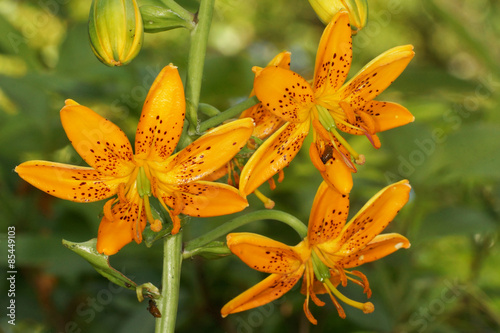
pixel 156 226
pixel 348 111
pixel 268 203
pixel 308 313
pixel 339 308
pixel 365 284
pixel 365 307
pixel 176 222
pixel 281 176
pixel 272 184
pixel 368 121
pixel 121 193
pixel 137 234
pixel 178 203
pixel 309 277
pixel 154 223
pixel 107 210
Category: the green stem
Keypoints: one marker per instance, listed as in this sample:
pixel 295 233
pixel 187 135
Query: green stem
pixel 196 61
pixel 179 10
pixel 229 113
pixel 229 226
pixel 168 302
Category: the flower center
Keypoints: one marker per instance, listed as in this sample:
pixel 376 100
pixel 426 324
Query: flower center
pixel 144 189
pixel 327 120
pixel 330 273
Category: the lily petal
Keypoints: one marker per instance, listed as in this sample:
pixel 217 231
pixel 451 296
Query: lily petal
pixel 69 182
pixel 207 154
pixel 374 217
pixel 102 144
pixel 376 76
pixel 334 56
pixel 113 235
pixel 265 122
pixel 273 155
pixel 379 247
pixel 205 199
pixel 269 289
pixel 282 60
pixel 387 115
pixel 328 214
pixel 162 118
pixel 284 93
pixel 332 166
pixel 264 254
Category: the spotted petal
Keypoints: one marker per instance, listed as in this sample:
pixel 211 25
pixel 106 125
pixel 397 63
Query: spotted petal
pixel 332 165
pixel 266 123
pixel 273 155
pixel 328 214
pixel 334 56
pixel 379 247
pixel 204 199
pixel 268 290
pixel 69 182
pixel 264 254
pixel 374 217
pixel 123 229
pixel 162 118
pixel 207 154
pixel 102 144
pixel 376 76
pixel 387 115
pixel 284 93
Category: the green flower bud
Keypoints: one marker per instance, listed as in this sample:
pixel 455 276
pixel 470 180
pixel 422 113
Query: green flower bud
pixel 115 30
pixel 358 11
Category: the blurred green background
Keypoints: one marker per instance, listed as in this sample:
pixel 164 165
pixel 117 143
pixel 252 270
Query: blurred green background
pixel 448 281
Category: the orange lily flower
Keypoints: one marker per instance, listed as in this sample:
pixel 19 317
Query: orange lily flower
pixel 174 179
pixel 329 105
pixel 266 123
pixel 325 256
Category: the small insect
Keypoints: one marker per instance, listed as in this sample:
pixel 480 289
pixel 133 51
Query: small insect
pixel 327 154
pixel 153 309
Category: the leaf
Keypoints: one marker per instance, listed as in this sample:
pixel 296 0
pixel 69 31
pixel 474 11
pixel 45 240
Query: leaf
pixel 87 250
pixel 157 19
pixel 213 250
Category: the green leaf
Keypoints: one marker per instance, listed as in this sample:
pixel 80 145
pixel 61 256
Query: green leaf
pixel 213 250
pixel 87 250
pixel 158 19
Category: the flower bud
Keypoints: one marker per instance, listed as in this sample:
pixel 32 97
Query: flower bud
pixel 358 11
pixel 115 31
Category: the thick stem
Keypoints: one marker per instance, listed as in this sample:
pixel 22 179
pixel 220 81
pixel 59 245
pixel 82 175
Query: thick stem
pixel 229 113
pixel 197 52
pixel 168 302
pixel 229 226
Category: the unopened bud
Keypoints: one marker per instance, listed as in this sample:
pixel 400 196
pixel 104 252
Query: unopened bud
pixel 115 30
pixel 358 11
